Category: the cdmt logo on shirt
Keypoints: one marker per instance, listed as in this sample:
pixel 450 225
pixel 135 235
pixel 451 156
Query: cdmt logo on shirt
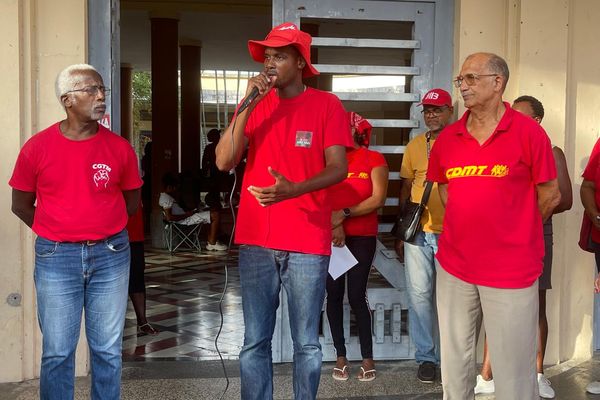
pixel 497 171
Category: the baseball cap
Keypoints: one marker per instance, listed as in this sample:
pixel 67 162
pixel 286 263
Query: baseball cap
pixel 436 97
pixel 284 35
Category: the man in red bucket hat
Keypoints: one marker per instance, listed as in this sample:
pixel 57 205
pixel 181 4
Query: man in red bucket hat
pixel 296 138
pixel 281 36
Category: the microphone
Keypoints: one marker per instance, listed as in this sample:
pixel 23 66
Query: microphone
pixel 253 95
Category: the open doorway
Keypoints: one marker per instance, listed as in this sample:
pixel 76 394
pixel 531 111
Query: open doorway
pixel 378 57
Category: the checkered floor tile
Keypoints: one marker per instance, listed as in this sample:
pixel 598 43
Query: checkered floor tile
pixel 183 292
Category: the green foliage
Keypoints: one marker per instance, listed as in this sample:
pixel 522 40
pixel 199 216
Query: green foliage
pixel 142 87
pixel 142 103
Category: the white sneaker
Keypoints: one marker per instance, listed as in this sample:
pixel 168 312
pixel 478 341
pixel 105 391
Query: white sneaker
pixel 593 387
pixel 483 386
pixel 546 391
pixel 218 246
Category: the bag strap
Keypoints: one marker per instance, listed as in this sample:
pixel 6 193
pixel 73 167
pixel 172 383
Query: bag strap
pixel 428 185
pixel 426 194
pixel 428 137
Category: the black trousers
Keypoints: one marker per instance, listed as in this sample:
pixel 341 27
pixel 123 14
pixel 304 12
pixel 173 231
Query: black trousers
pixel 363 248
pixel 136 269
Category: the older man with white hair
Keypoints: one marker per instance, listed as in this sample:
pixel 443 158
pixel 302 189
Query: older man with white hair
pixel 74 184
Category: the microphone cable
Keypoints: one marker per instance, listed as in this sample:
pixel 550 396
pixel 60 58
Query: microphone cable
pixel 228 256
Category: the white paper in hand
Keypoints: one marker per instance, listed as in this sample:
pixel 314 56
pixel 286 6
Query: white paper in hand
pixel 341 261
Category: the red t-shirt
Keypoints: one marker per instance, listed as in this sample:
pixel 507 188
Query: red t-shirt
pixel 291 135
pixel 357 187
pixel 135 226
pixel 78 184
pixel 592 173
pixel 492 233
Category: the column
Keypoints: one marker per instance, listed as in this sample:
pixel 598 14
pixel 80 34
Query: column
pixel 127 102
pixel 190 104
pixel 165 124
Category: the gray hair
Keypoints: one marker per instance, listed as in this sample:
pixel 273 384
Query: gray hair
pixel 496 64
pixel 67 78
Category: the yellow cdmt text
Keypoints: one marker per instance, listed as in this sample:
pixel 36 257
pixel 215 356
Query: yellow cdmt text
pixel 468 170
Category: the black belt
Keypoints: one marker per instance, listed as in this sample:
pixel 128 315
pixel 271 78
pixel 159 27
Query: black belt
pixel 87 242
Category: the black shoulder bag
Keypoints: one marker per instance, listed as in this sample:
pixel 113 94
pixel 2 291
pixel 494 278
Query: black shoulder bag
pixel 409 219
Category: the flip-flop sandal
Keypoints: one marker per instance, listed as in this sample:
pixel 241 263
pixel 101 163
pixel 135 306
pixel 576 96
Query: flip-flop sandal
pixel 367 376
pixel 147 329
pixel 343 374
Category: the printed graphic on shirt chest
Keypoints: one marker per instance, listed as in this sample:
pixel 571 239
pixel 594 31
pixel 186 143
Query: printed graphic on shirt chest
pixel 467 171
pixel 304 139
pixel 358 175
pixel 101 174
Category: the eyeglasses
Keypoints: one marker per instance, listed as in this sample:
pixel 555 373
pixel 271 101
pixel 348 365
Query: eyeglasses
pixel 470 79
pixel 92 90
pixel 437 111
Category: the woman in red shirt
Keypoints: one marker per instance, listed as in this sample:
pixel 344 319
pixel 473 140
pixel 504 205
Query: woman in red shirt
pixel 355 202
pixel 137 284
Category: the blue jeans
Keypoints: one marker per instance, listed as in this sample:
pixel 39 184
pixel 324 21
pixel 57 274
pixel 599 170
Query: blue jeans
pixel 70 277
pixel 303 276
pixel 419 266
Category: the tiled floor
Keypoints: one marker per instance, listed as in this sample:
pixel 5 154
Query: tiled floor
pixel 183 293
pixel 180 363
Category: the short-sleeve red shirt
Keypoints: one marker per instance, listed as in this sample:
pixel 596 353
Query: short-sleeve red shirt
pixel 78 184
pixel 290 136
pixel 357 187
pixel 135 226
pixel 592 173
pixel 492 232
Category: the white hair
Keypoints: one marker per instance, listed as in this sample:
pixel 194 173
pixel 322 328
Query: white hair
pixel 67 78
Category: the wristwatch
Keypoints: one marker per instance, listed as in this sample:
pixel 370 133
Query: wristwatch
pixel 346 212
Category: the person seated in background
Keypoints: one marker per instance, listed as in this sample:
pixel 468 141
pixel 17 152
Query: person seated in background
pixel 175 213
pixel 189 190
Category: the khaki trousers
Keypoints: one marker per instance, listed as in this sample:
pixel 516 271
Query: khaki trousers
pixel 510 317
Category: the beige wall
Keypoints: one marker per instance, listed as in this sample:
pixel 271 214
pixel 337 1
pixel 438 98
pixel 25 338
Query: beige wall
pixel 582 127
pixel 39 37
pixel 549 48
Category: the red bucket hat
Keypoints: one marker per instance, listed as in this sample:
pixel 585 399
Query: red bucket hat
pixel 362 126
pixel 284 35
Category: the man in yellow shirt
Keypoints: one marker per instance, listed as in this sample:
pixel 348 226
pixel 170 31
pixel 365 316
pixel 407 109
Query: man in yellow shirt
pixel 419 261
